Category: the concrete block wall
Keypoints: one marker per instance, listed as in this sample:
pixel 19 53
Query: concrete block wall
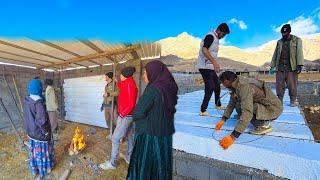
pixel 192 167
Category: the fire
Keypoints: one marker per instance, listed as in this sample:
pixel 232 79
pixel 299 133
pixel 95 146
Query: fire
pixel 77 142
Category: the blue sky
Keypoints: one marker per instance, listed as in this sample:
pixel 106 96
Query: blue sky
pixel 252 22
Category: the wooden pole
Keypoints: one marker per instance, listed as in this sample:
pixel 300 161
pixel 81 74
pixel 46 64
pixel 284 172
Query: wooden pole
pixel 114 66
pixel 17 91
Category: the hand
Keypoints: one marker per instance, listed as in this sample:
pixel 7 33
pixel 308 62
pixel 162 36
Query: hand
pixel 219 124
pixel 216 67
pixel 122 140
pixel 299 69
pixel 101 108
pixel 226 142
pixel 272 70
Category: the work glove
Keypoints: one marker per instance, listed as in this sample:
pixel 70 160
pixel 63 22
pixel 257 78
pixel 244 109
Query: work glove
pixel 219 124
pixel 272 70
pixel 101 108
pixel 227 141
pixel 299 69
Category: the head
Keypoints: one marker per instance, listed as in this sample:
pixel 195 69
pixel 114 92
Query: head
pixel 227 79
pixel 109 76
pixel 145 77
pixel 48 82
pixel 35 87
pixel 222 30
pixel 153 70
pixel 285 31
pixel 127 73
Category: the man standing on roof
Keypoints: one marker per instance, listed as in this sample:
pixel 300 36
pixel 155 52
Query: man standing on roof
pixel 208 66
pixel 287 61
pixel 254 102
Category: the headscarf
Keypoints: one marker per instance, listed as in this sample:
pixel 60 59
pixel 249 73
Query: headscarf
pixel 35 87
pixel 160 77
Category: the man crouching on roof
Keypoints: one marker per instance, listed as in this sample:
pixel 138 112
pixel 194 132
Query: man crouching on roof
pixel 254 102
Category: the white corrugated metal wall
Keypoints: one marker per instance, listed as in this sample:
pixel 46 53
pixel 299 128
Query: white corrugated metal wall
pixel 83 98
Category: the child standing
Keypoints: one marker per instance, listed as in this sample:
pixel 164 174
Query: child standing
pixel 126 103
pixel 38 128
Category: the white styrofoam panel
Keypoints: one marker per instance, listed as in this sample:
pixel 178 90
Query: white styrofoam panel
pixel 288 151
pixel 83 98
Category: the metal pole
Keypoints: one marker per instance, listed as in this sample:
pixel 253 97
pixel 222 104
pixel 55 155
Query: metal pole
pixel 12 124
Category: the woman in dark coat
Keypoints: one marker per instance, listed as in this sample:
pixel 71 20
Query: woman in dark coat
pixel 37 124
pixel 154 125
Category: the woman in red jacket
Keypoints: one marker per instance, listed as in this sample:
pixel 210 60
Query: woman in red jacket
pixel 126 103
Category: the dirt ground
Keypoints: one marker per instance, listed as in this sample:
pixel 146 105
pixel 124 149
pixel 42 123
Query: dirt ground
pixel 83 166
pixel 312 115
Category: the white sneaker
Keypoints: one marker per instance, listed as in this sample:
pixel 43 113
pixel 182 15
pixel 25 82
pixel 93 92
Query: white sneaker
pixel 109 137
pixel 204 113
pixel 124 158
pixel 220 108
pixel 107 166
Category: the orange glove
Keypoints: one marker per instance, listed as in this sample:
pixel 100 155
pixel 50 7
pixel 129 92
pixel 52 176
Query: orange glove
pixel 220 124
pixel 227 141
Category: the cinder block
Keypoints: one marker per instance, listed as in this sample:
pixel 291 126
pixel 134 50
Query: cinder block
pixel 195 170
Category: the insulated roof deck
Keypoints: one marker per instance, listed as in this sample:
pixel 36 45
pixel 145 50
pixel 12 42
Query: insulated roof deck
pixel 288 151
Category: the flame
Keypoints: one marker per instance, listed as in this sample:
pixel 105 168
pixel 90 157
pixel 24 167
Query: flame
pixel 77 142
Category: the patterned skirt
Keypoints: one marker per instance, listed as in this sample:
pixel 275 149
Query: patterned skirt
pixel 41 157
pixel 151 158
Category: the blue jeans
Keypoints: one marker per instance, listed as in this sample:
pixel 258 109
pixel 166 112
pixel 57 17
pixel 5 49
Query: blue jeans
pixel 124 129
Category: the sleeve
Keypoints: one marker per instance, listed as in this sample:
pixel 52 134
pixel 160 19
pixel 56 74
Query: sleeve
pixel 300 58
pixel 229 109
pixel 115 92
pixel 41 118
pixel 208 40
pixel 132 93
pixel 145 103
pixel 246 103
pixel 274 57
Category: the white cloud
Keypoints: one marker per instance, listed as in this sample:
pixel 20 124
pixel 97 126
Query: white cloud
pixel 300 26
pixel 242 25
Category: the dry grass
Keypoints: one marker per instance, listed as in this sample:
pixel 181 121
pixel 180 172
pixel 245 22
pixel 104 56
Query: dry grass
pixel 98 150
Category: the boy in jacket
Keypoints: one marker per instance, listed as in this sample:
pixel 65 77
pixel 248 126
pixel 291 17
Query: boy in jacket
pixel 126 103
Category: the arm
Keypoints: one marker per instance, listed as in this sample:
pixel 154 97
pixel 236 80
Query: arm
pixel 229 109
pixel 246 99
pixel 51 99
pixel 208 40
pixel 115 92
pixel 41 118
pixel 274 57
pixel 145 103
pixel 300 58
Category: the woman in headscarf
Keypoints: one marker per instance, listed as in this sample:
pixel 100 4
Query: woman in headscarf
pixel 154 125
pixel 38 128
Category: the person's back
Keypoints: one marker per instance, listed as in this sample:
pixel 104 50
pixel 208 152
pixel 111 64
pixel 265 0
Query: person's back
pixel 36 119
pixel 38 128
pixel 154 122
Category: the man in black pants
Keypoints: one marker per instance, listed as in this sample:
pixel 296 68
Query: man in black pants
pixel 208 66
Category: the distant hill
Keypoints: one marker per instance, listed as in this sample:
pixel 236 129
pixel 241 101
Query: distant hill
pixel 178 64
pixel 186 46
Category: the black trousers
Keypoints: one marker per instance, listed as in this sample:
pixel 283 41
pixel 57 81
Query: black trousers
pixel 211 84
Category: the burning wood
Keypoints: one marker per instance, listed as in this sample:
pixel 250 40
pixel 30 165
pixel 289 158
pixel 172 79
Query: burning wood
pixel 77 142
